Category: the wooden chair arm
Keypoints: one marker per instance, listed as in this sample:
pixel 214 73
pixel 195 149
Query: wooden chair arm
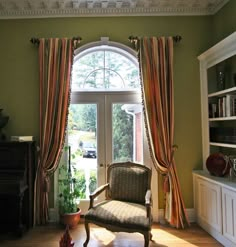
pixel 98 191
pixel 148 202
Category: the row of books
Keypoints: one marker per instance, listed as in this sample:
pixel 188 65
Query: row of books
pixel 225 107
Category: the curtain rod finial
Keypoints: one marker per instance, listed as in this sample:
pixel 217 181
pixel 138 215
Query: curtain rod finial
pixel 133 38
pixel 78 38
pixel 34 41
pixel 177 38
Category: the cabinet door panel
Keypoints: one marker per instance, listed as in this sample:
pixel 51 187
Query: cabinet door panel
pixel 202 197
pixel 229 214
pixel 209 204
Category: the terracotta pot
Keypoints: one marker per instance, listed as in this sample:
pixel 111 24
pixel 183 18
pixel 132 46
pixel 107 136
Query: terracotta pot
pixel 70 219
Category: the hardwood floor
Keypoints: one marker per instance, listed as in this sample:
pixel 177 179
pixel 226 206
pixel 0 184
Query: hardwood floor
pixel 163 236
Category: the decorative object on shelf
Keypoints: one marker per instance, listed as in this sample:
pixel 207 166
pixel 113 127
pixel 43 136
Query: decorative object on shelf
pixel 232 163
pixel 220 76
pixel 69 193
pixel 218 164
pixel 3 123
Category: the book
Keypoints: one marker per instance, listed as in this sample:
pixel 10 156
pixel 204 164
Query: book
pixel 22 138
pixel 213 110
pixel 220 107
pixel 224 106
pixel 228 106
pixel 233 106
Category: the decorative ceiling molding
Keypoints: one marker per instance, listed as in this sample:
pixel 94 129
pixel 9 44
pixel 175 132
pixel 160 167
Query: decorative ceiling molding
pixel 18 9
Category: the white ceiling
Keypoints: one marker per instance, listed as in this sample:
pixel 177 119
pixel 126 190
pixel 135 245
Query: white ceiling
pixel 11 9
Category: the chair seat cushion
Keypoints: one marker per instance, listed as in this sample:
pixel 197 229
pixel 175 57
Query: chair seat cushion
pixel 120 214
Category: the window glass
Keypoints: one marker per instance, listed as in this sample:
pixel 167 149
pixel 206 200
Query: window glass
pixel 104 70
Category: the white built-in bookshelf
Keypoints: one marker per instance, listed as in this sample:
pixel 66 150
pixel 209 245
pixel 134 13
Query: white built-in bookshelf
pixel 218 103
pixel 214 196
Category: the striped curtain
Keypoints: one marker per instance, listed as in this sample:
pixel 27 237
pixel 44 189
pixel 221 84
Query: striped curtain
pixel 55 65
pixel 156 67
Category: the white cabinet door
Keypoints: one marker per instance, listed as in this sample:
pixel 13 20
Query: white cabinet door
pixel 209 204
pixel 229 214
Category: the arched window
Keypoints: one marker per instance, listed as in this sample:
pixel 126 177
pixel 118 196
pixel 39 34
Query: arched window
pixel 105 68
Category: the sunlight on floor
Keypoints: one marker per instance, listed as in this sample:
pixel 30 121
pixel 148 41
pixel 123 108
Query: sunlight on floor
pixel 100 233
pixel 161 238
pixel 165 238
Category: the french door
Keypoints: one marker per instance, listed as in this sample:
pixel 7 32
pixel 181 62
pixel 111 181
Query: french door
pixel 104 127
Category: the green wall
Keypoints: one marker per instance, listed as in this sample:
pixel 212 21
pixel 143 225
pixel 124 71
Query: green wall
pixel 224 22
pixel 19 73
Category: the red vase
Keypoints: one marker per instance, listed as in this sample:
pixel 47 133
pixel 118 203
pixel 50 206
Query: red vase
pixel 217 165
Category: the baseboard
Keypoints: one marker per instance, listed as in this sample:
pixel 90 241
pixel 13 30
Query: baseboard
pixel 53 215
pixel 190 212
pixel 217 234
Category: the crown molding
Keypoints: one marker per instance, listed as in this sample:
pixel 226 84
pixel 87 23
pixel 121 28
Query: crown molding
pixel 62 9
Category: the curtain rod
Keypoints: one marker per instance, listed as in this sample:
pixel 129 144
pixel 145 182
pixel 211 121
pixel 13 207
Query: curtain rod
pixel 176 38
pixel 35 41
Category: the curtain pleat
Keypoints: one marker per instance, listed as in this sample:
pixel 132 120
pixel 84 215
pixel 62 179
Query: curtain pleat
pixel 156 70
pixel 55 65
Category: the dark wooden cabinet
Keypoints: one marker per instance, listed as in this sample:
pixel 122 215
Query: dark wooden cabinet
pixel 17 175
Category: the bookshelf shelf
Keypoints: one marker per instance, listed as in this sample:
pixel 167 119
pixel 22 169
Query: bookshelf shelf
pixel 216 144
pixel 222 119
pixel 223 92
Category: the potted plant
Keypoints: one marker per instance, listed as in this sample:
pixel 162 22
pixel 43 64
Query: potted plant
pixel 69 193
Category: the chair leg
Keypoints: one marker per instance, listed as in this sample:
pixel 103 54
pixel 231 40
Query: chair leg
pixel 150 236
pixel 147 237
pixel 87 229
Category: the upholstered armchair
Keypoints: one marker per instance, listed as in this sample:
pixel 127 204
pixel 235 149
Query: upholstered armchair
pixel 128 203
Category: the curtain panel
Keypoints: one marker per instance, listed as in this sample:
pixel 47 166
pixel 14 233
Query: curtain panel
pixel 55 66
pixel 155 57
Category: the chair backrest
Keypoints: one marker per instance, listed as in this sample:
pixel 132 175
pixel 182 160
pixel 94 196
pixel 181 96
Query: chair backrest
pixel 128 182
